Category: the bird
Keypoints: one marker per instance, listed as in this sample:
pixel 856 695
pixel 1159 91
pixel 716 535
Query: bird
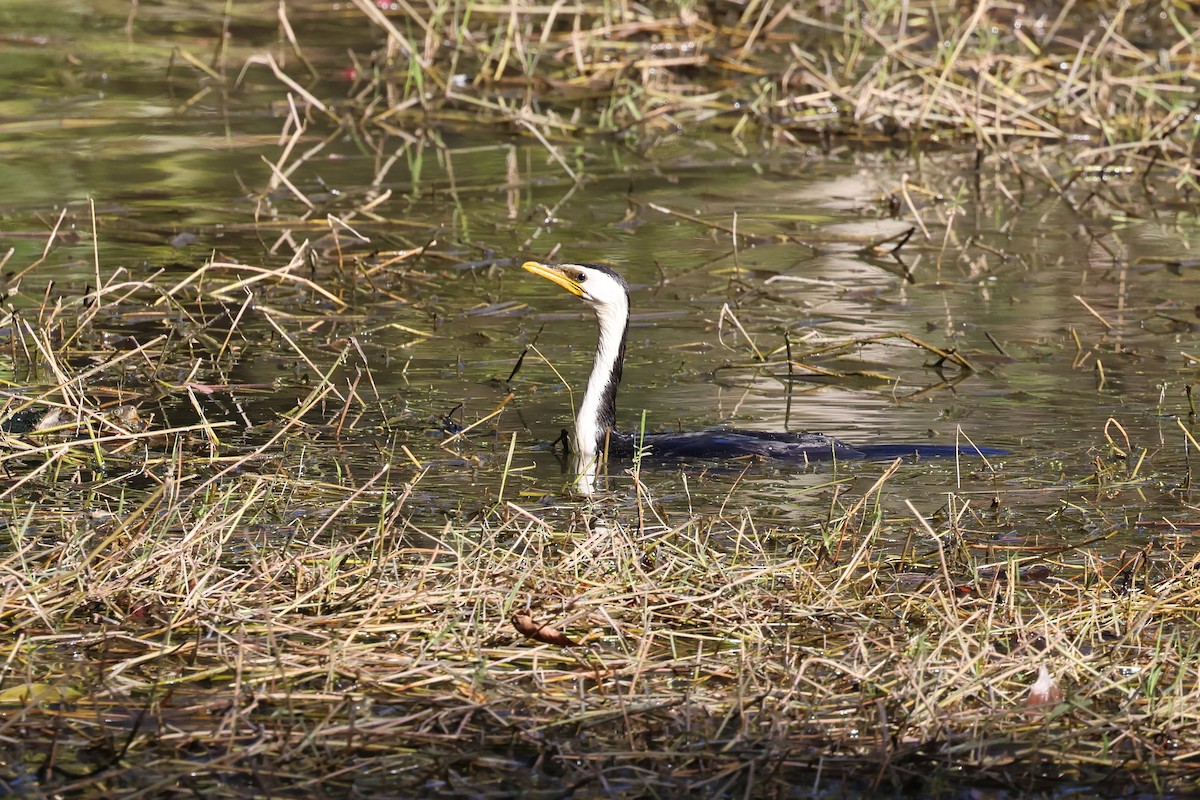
pixel 596 434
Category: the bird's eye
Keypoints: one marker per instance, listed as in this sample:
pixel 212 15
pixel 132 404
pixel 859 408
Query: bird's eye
pixel 580 277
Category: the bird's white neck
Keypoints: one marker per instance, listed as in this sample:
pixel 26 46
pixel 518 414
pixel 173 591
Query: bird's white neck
pixel 597 412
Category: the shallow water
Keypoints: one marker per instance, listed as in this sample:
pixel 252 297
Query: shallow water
pixel 1036 287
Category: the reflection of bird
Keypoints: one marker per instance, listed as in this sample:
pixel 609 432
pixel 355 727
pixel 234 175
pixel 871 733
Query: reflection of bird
pixel 595 432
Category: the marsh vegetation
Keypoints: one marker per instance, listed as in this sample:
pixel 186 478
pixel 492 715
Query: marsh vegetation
pixel 281 515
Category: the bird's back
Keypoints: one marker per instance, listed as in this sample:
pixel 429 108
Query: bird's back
pixel 726 443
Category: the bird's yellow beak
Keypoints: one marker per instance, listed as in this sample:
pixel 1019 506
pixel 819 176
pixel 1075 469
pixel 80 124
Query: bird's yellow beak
pixel 553 273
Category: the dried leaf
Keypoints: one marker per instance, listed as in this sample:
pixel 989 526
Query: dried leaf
pixel 1044 690
pixel 27 693
pixel 540 631
pixel 52 419
pixel 1038 572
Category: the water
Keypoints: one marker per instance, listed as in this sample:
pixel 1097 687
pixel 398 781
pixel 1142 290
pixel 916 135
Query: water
pixel 1066 303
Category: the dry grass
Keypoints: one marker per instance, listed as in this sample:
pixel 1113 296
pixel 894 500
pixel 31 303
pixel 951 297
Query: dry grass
pixel 200 640
pixel 188 617
pixel 191 611
pixel 1114 80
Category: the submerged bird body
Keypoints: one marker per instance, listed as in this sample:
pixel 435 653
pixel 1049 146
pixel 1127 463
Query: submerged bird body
pixel 596 435
pixel 723 443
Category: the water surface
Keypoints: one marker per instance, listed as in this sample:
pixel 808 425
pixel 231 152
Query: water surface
pixel 1070 305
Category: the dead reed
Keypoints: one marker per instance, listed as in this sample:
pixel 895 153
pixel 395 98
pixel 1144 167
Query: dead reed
pixel 215 646
pixel 1115 81
pixel 201 603
pixel 197 604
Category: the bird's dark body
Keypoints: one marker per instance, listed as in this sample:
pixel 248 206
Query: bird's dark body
pixel 726 443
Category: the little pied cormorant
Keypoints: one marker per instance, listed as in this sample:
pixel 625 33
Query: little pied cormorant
pixel 596 435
